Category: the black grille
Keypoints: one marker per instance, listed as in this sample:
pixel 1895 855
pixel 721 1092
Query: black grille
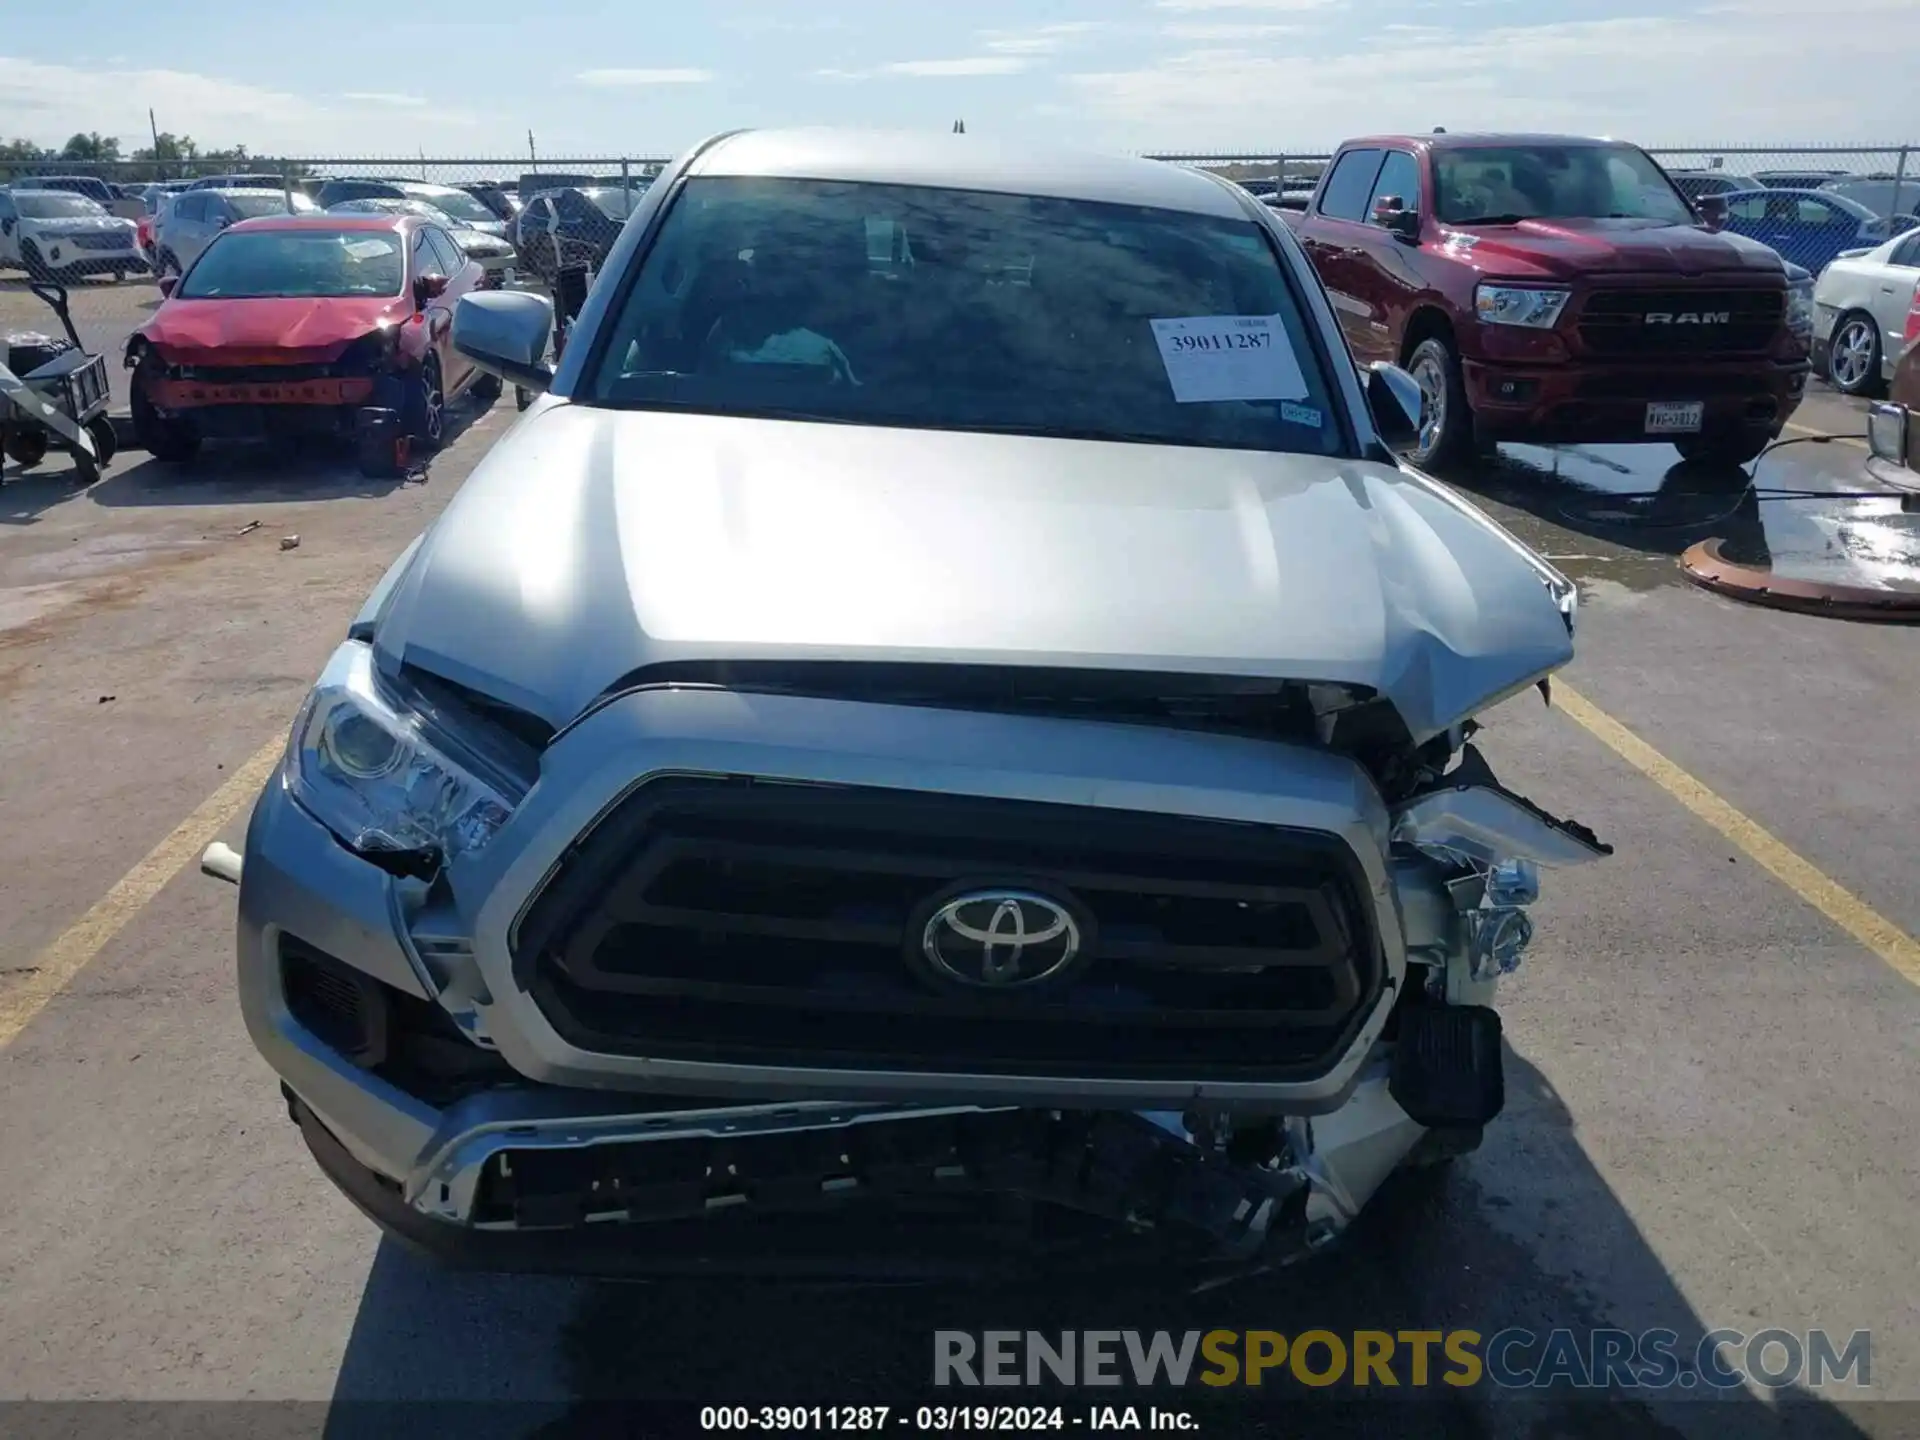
pixel 342 1007
pixel 1700 322
pixel 756 923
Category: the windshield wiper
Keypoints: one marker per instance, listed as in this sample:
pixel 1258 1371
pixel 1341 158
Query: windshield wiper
pixel 1491 220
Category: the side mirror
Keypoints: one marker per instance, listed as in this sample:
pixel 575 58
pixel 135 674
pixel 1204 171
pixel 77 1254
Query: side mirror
pixel 1395 400
pixel 1887 433
pixel 1713 210
pixel 505 333
pixel 167 283
pixel 223 222
pixel 428 287
pixel 1390 213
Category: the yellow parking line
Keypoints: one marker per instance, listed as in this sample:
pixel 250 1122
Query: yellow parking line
pixel 1798 428
pixel 1852 914
pixel 66 957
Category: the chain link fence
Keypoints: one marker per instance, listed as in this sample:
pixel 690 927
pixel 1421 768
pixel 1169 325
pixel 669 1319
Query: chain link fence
pixel 564 213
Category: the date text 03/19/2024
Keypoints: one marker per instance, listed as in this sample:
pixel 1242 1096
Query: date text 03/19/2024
pixel 941 1419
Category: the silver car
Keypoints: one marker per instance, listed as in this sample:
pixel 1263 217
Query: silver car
pixel 900 726
pixel 191 221
pixel 56 235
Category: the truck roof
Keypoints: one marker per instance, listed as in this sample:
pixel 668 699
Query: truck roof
pixel 1474 140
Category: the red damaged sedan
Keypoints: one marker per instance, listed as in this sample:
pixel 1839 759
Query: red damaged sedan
pixel 324 324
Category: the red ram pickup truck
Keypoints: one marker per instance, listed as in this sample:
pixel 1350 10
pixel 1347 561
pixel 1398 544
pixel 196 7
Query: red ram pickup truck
pixel 1556 290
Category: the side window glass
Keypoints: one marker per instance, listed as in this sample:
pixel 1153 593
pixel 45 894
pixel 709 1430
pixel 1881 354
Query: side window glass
pixel 424 262
pixel 1399 177
pixel 1754 207
pixel 1345 196
pixel 452 258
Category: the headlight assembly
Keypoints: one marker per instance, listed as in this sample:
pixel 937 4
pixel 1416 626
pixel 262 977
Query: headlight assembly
pixel 1536 307
pixel 378 775
pixel 1800 307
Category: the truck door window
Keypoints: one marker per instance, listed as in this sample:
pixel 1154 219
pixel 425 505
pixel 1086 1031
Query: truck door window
pixel 1345 197
pixel 1400 178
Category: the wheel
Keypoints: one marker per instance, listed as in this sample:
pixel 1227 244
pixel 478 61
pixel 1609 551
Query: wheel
pixel 1446 420
pixel 522 397
pixel 164 264
pixel 423 415
pixel 172 441
pixel 486 388
pixel 1853 355
pixel 1731 451
pixel 119 277
pixel 27 448
pixel 32 262
pixel 106 440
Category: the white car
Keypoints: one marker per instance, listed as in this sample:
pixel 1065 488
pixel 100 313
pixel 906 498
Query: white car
pixel 53 235
pixel 1860 307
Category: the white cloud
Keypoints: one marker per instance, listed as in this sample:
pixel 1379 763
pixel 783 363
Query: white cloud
pixel 623 79
pixel 1037 40
pixel 1227 30
pixel 383 97
pixel 48 102
pixel 1639 77
pixel 966 65
pixel 1243 4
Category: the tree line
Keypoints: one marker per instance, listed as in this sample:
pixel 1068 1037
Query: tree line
pixel 170 157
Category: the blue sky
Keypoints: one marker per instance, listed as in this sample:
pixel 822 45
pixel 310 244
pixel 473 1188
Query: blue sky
pixel 592 77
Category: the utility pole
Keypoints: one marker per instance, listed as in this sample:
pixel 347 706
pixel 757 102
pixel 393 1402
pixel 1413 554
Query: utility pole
pixel 959 127
pixel 532 159
pixel 159 170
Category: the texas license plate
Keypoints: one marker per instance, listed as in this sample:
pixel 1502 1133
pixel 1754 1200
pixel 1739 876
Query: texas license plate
pixel 1675 417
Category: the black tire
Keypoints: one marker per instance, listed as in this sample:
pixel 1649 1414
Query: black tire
pixel 171 441
pixel 1854 360
pixel 106 440
pixel 32 262
pixel 1446 435
pixel 423 414
pixel 486 388
pixel 164 264
pixel 27 447
pixel 1723 451
pixel 119 277
pixel 522 397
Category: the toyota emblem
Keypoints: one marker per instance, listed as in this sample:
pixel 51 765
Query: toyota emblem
pixel 1000 939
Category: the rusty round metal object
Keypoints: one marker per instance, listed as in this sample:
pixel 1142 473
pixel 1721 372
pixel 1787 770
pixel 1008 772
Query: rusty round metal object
pixel 1706 567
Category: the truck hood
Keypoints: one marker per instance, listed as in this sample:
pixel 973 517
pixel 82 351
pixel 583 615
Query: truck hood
pixel 297 330
pixel 1567 249
pixel 592 544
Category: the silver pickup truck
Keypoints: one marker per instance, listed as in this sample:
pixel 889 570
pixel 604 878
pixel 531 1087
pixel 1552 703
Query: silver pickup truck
pixel 966 727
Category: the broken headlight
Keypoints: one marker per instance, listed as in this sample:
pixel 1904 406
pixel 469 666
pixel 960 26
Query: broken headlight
pixel 375 772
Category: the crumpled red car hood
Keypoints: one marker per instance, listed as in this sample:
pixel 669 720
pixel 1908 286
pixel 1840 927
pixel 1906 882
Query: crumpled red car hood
pixel 290 331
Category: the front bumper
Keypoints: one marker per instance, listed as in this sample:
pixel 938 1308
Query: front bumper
pixel 1607 404
pixel 64 258
pixel 423 1165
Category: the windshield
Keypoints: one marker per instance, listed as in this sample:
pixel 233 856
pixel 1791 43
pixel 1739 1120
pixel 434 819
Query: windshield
pixel 614 202
pixel 1504 184
pixel 296 263
pixel 951 309
pixel 458 204
pixel 55 207
pixel 247 207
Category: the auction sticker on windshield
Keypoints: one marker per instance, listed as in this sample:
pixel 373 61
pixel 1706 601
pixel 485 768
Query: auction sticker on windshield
pixel 1229 357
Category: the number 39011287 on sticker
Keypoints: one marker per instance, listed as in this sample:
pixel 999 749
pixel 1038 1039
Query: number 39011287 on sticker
pixel 1229 357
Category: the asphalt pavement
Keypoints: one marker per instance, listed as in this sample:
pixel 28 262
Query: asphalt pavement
pixel 1713 1050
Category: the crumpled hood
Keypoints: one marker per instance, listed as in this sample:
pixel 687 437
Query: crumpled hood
pixel 298 330
pixel 1565 249
pixel 593 543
